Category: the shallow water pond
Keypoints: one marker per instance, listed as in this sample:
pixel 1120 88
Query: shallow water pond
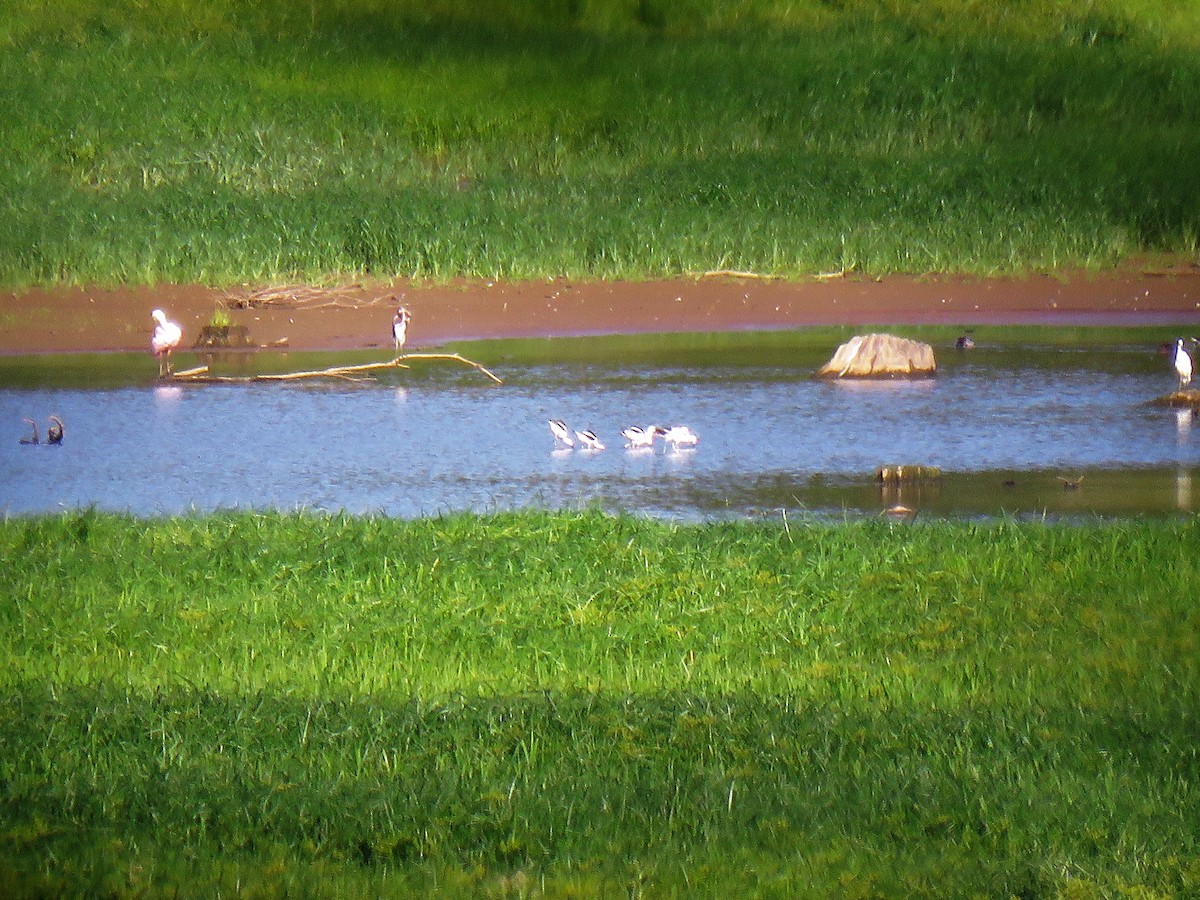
pixel 1006 423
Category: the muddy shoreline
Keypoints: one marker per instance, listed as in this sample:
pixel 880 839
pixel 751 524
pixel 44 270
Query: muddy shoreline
pixel 359 316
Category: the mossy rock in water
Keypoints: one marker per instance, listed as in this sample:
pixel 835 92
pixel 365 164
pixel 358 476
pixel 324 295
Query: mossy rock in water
pixel 1179 399
pixel 223 337
pixel 880 356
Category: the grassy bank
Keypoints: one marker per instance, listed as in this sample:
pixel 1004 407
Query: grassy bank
pixel 574 704
pixel 229 141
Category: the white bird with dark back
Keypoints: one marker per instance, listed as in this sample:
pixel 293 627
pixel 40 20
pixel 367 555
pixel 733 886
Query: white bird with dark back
pixel 561 433
pixel 166 338
pixel 638 438
pixel 588 440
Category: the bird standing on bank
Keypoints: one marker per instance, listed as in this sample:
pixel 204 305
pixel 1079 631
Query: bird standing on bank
pixel 1183 364
pixel 400 328
pixel 166 338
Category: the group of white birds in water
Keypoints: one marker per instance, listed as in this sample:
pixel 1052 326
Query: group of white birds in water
pixel 167 336
pixel 636 437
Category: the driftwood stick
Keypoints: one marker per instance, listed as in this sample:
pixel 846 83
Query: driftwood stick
pixel 735 273
pixel 191 373
pixel 332 372
pixel 456 357
pixel 200 374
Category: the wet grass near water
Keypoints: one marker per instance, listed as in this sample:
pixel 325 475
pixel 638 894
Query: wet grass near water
pixel 579 704
pixel 224 142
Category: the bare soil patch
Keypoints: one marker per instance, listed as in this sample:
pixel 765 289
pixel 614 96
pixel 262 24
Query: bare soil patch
pixel 359 316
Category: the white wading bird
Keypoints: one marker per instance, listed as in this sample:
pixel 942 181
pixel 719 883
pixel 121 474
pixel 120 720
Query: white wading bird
pixel 589 440
pixel 558 428
pixel 639 438
pixel 1183 365
pixel 167 336
pixel 400 328
pixel 680 436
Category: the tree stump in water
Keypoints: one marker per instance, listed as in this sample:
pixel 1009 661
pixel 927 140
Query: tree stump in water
pixel 223 337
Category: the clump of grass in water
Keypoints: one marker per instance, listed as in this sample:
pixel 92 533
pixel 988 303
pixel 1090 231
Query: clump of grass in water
pixel 220 318
pixel 465 702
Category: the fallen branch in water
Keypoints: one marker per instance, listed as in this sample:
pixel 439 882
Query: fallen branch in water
pixel 201 374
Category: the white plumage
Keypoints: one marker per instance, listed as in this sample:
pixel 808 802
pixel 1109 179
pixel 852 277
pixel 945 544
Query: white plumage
pixel 1183 365
pixel 639 438
pixel 681 436
pixel 561 433
pixel 166 338
pixel 589 440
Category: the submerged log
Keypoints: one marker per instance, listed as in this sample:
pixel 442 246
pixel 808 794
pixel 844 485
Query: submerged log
pixel 880 355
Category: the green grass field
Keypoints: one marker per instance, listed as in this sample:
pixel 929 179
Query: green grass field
pixel 541 704
pixel 228 141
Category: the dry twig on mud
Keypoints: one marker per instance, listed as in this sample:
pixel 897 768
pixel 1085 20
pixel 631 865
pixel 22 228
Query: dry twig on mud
pixel 735 273
pixel 307 296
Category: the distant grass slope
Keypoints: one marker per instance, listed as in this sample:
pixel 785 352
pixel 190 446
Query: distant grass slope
pixel 232 141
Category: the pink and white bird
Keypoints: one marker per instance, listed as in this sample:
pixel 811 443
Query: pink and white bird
pixel 680 436
pixel 639 438
pixel 588 440
pixel 561 433
pixel 166 338
pixel 400 328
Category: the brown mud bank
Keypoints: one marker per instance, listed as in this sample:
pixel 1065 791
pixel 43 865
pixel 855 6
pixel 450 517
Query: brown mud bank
pixel 359 316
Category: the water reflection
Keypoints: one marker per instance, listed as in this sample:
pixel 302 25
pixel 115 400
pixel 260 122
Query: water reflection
pixel 1183 490
pixel 1004 427
pixel 167 394
pixel 1183 425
